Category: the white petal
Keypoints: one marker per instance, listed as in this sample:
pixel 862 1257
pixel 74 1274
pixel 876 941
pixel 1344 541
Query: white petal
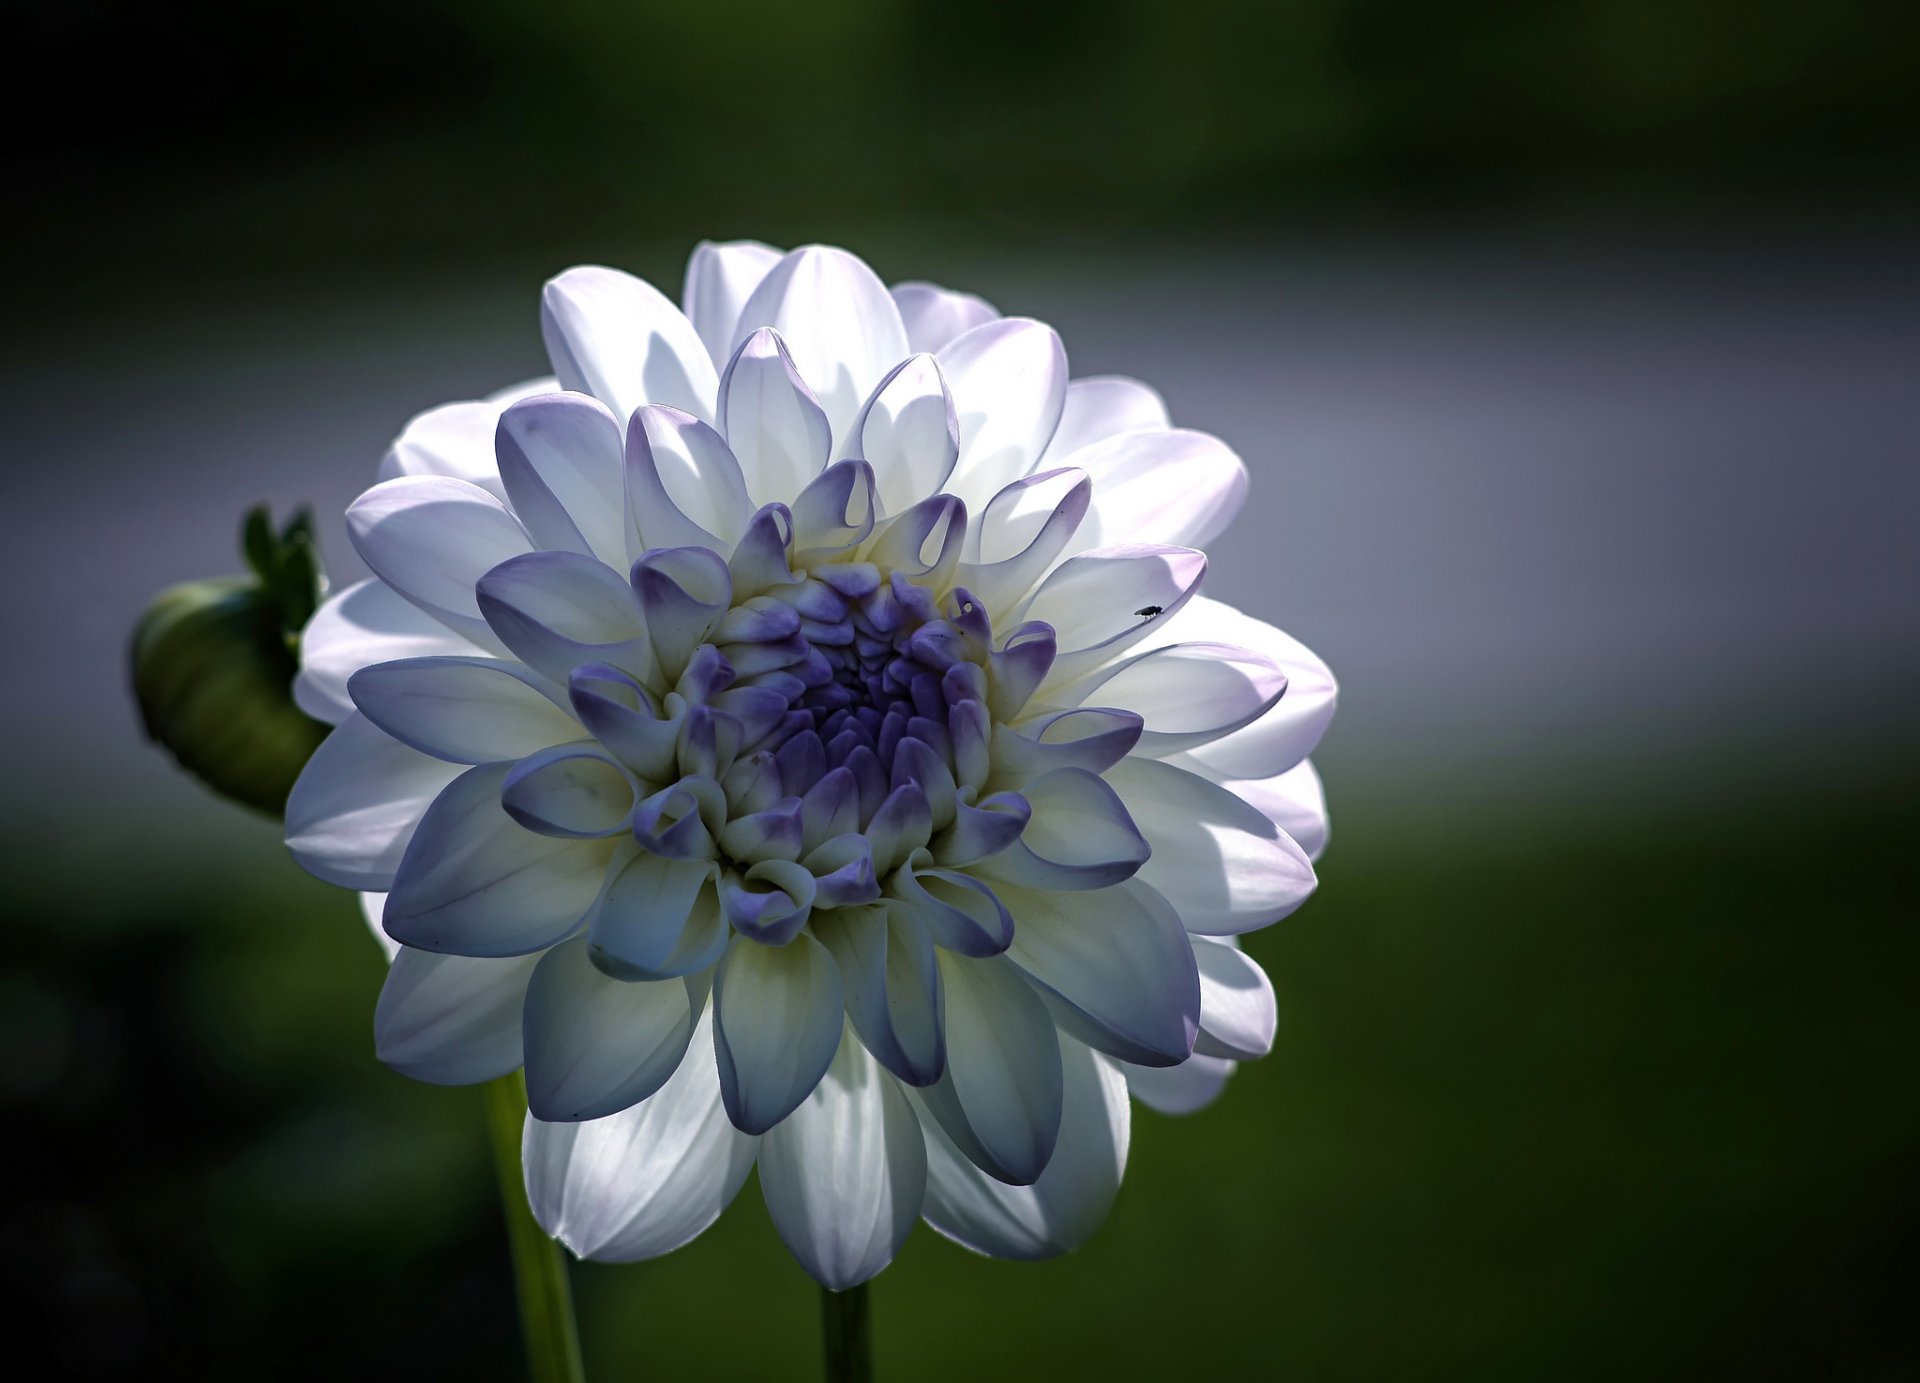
pixel 999 1099
pixel 1288 732
pixel 364 624
pixel 1160 487
pixel 1079 837
pixel 1103 406
pixel 475 882
pixel 778 1015
pixel 596 1045
pixel 1101 602
pixel 720 279
pixel 1116 965
pixel 464 710
pixel 1070 1201
pixel 1194 1084
pixel 933 315
pixel 618 338
pixel 774 426
pixel 454 440
pixel 1022 533
pixel 1223 865
pixel 432 539
pixel 563 464
pixel 657 918
pixel 684 485
pixel 1187 694
pixel 559 610
pixel 837 320
pixel 644 1181
pixel 357 802
pixel 372 906
pixel 570 790
pixel 451 1020
pixel 909 434
pixel 1237 1014
pixel 845 1173
pixel 1009 382
pixel 1294 801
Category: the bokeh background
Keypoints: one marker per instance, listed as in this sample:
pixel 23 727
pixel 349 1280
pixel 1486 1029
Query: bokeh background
pixel 1574 346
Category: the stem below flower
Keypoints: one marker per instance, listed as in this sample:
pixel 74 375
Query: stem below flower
pixel 848 1329
pixel 539 1271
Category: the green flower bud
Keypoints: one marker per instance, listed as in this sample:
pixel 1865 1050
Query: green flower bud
pixel 214 662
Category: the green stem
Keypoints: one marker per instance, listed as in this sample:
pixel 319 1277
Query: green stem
pixel 845 1320
pixel 539 1272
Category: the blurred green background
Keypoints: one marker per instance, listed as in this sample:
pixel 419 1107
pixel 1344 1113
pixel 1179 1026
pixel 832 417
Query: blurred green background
pixel 1572 345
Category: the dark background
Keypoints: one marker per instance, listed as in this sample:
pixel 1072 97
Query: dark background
pixel 1573 347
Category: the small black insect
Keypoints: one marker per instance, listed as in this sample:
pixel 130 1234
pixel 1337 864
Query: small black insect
pixel 1148 610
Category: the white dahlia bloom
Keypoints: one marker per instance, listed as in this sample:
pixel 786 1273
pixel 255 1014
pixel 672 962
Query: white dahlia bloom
pixel 795 734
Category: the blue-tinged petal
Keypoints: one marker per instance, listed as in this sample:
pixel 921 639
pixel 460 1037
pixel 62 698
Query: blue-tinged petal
pixel 778 1013
pixel 357 803
pixel 999 1099
pixel 1116 966
pixel 367 623
pixel 892 977
pixel 622 715
pixel 474 882
pixel 1223 865
pixel 1080 836
pixel 431 539
pixel 834 513
pixel 464 710
pixel 1186 694
pixel 559 610
pixel 1069 1202
pixel 575 790
pixel 769 902
pixel 683 592
pixel 656 918
pixel 562 461
pixel 647 1180
pixel 1093 738
pixel 594 1044
pixel 451 1020
pixel 1192 1085
pixel 961 913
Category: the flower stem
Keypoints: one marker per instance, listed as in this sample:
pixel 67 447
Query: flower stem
pixel 849 1335
pixel 539 1272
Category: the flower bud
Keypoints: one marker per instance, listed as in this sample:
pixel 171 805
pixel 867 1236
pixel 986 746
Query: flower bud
pixel 214 662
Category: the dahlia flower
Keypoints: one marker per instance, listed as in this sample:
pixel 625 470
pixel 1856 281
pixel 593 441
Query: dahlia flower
pixel 795 733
